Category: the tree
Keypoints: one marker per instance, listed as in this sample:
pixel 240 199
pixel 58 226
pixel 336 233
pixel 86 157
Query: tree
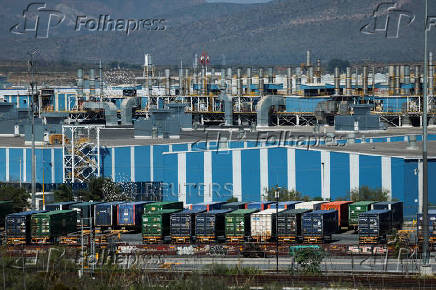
pixel 284 194
pixel 309 259
pixel 367 193
pixel 19 196
pixel 94 190
pixel 63 193
pixel 341 64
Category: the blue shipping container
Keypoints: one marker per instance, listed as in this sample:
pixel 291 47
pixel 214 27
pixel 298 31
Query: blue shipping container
pixel 207 206
pixel 320 223
pixel 130 214
pixel 285 204
pixel 105 214
pixel 396 207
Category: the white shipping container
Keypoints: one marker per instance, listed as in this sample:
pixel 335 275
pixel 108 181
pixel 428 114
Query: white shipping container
pixel 312 205
pixel 262 224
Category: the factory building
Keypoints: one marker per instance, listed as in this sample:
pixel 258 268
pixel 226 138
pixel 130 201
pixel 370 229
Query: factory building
pixel 195 172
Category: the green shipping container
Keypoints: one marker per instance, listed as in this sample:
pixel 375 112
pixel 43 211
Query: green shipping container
pixel 357 208
pixel 5 209
pixel 157 223
pixel 238 223
pixel 156 206
pixel 53 224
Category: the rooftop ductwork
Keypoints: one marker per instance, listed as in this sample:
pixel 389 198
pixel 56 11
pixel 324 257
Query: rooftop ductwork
pixel 228 108
pixel 110 111
pixel 126 108
pixel 263 108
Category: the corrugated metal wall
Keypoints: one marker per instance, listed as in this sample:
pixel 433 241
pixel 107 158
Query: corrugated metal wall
pixel 192 175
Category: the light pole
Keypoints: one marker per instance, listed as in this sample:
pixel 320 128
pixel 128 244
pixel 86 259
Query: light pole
pixel 31 71
pixel 277 229
pixel 424 146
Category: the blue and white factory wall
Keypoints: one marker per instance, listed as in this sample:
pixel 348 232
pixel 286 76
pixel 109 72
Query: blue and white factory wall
pixel 197 173
pixel 245 173
pixel 16 165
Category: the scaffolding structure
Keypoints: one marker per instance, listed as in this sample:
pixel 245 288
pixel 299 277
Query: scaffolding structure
pixel 81 152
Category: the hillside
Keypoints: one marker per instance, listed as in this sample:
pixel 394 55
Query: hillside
pixel 278 32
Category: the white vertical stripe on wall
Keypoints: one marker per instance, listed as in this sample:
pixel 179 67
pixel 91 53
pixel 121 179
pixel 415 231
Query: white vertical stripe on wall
pixel 113 164
pixel 181 164
pixel 23 165
pixel 57 101
pixel 354 171
pixel 292 182
pixel 236 174
pixel 132 164
pixel 170 148
pixel 53 179
pixel 7 164
pixel 151 164
pixel 208 176
pixel 420 184
pixel 245 144
pixel 387 175
pixel 264 185
pixel 325 174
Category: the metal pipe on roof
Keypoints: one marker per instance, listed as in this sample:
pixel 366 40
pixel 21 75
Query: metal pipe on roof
pixel 187 82
pixel 417 80
pixel 391 79
pixel 239 82
pixel 406 79
pixel 310 77
pixel 308 58
pixel 261 82
pixel 365 80
pixel 203 81
pixel 348 82
pixel 229 81
pixel 167 82
pixel 80 83
pixel 181 82
pixel 397 80
pixel 249 80
pixel 337 82
pixel 92 83
pixel 270 75
pixel 298 80
pixel 289 81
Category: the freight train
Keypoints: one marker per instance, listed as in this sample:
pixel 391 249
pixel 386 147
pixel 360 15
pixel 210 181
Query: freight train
pixel 163 222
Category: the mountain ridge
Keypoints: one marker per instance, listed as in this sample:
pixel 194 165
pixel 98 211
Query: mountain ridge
pixel 277 32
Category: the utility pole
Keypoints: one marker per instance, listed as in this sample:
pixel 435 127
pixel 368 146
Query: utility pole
pixel 277 230
pixel 425 257
pixel 31 70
